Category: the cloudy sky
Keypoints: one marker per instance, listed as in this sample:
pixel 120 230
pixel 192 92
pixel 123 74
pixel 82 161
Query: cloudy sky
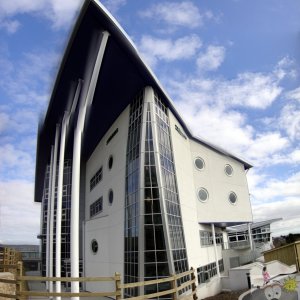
pixel 231 67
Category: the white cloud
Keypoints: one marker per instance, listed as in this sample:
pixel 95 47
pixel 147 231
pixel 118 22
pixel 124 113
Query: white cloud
pixel 4 121
pixel 254 178
pixel 264 145
pixel 254 90
pixel 60 13
pixel 154 49
pixel 225 129
pixel 28 81
pixel 276 190
pixel 11 26
pixel 295 156
pixel 288 209
pixel 15 163
pixel 114 5
pixel 211 59
pixel 11 8
pixel 290 121
pixel 286 67
pixel 229 129
pixel 16 203
pixel 176 14
pixel 294 94
pixel 215 108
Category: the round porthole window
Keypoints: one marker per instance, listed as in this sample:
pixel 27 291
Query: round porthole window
pixel 232 197
pixel 228 170
pixel 94 246
pixel 110 197
pixel 110 162
pixel 202 194
pixel 199 163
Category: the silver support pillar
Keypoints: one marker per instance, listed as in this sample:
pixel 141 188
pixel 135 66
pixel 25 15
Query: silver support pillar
pixel 48 218
pixel 84 103
pixel 52 202
pixel 215 248
pixel 64 126
pixel 250 236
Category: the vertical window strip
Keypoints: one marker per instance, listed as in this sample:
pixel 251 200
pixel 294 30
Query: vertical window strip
pixel 132 196
pixel 170 189
pixel 156 262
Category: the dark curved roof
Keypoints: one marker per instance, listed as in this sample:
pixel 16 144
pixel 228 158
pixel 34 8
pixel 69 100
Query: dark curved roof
pixel 123 74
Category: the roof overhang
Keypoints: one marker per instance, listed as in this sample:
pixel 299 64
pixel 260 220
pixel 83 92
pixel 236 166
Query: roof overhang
pixel 123 74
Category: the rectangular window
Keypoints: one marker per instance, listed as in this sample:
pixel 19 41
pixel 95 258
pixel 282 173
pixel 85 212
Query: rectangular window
pixel 206 238
pixel 96 207
pixel 96 178
pixel 112 136
pixel 204 273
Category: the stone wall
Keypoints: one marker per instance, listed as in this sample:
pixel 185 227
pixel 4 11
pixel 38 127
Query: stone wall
pixel 6 288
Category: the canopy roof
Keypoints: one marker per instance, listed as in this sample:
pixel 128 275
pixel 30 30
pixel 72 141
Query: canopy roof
pixel 244 227
pixel 123 74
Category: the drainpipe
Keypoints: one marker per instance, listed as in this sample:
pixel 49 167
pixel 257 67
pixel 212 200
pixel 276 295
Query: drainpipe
pixel 215 248
pixel 85 102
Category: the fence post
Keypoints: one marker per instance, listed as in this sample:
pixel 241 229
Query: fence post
pixel 174 286
pixel 19 284
pixel 117 284
pixel 193 284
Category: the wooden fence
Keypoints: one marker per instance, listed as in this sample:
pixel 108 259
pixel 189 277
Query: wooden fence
pixel 22 292
pixel 288 254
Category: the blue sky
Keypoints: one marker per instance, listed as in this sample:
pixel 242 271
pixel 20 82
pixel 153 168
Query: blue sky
pixel 231 67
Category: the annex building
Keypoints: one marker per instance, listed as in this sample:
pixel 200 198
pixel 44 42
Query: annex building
pixel 125 186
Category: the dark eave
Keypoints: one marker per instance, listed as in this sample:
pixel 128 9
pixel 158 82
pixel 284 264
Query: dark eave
pixel 123 74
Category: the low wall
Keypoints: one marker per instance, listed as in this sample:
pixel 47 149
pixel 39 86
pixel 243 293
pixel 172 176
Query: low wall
pixel 6 288
pixel 210 288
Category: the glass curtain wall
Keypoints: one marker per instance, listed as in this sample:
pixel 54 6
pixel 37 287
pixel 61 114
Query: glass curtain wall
pixel 155 258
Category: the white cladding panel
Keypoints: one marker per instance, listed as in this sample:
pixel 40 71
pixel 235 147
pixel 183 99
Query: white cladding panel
pixel 217 209
pixel 107 227
pixel 213 178
pixel 185 184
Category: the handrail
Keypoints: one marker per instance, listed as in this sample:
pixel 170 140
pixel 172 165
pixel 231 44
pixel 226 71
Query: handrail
pixel 65 279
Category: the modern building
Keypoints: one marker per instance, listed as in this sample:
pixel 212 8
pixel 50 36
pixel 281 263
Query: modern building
pixel 30 255
pixel 125 186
